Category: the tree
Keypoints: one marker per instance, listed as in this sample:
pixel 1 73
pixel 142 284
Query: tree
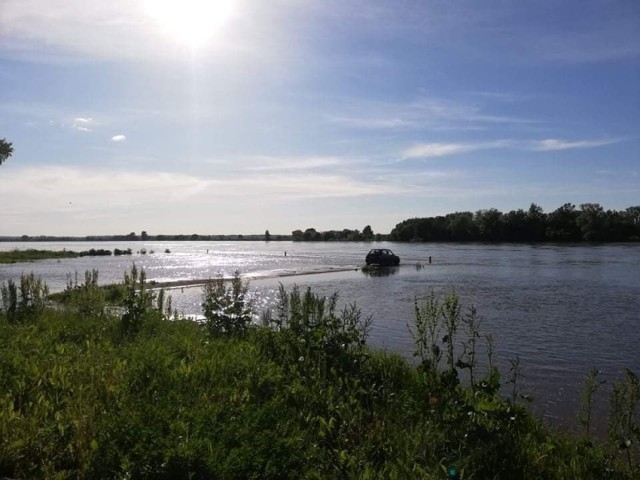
pixel 144 235
pixel 311 235
pixel 489 224
pixel 562 225
pixel 267 236
pixel 367 233
pixel 591 221
pixel 6 150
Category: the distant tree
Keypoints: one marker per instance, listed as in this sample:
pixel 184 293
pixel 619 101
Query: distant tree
pixel 592 222
pixel 460 226
pixel 516 227
pixel 6 150
pixel 634 215
pixel 536 223
pixel 132 236
pixel 489 224
pixel 311 234
pixel 562 225
pixel 267 236
pixel 144 235
pixel 367 233
pixel 297 235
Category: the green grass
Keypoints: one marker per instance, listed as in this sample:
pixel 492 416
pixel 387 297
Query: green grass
pixel 83 397
pixel 31 255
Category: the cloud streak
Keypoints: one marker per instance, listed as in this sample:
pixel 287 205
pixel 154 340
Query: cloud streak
pixel 118 138
pixel 553 144
pixel 430 150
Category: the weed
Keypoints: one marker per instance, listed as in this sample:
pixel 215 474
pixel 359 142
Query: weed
pixel 23 302
pixel 227 311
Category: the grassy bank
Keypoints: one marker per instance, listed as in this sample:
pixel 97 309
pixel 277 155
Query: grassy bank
pixel 146 394
pixel 31 255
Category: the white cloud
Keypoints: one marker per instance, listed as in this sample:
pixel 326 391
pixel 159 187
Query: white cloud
pixel 552 144
pixel 82 124
pixel 32 190
pixel 272 163
pixel 118 138
pixel 371 123
pixel 432 113
pixel 429 150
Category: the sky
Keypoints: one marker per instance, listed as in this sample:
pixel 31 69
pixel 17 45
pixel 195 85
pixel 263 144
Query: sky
pixel 240 116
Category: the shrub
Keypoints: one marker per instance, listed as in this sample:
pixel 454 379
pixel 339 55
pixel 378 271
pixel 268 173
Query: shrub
pixel 24 302
pixel 227 311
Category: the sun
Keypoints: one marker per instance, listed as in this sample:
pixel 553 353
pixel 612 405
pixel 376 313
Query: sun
pixel 191 22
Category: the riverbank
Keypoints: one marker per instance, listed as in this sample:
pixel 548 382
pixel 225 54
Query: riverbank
pixel 32 255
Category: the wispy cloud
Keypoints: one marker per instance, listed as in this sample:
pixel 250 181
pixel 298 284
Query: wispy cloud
pixel 118 138
pixel 429 150
pixel 371 123
pixel 289 163
pixel 552 144
pixel 432 113
pixel 82 124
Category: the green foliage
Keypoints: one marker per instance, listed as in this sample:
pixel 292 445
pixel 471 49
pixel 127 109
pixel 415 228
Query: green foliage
pixel 6 150
pixel 141 304
pixel 88 297
pixel 227 311
pixel 566 224
pixel 591 385
pixel 15 256
pixel 23 302
pixel 624 428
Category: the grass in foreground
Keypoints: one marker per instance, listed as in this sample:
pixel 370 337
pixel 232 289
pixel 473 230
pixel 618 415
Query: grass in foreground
pixel 90 395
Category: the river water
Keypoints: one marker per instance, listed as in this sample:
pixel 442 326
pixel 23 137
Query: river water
pixel 561 308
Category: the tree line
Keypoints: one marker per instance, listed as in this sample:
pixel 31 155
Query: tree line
pixel 590 223
pixel 345 235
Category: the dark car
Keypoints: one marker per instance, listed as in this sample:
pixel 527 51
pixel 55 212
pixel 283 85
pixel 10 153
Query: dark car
pixel 383 257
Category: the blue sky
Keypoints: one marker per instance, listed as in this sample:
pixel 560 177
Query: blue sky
pixel 237 116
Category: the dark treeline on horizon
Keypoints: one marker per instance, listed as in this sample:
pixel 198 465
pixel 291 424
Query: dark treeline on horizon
pixel 345 235
pixel 589 223
pixel 142 237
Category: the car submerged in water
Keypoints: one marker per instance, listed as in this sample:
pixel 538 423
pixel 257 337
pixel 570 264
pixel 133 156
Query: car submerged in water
pixel 382 257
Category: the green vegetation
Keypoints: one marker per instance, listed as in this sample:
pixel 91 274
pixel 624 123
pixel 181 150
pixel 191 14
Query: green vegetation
pixel 16 256
pixel 6 150
pixel 346 235
pixel 139 392
pixel 566 224
pixel 31 255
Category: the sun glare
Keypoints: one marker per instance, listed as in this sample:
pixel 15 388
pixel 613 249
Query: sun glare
pixel 192 22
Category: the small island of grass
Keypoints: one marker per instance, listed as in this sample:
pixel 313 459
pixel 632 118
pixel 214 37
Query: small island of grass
pixel 31 255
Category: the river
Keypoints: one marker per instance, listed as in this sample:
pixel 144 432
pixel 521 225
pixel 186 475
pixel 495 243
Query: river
pixel 561 308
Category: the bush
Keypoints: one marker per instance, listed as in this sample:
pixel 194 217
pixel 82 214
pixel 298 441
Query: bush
pixel 228 311
pixel 24 302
